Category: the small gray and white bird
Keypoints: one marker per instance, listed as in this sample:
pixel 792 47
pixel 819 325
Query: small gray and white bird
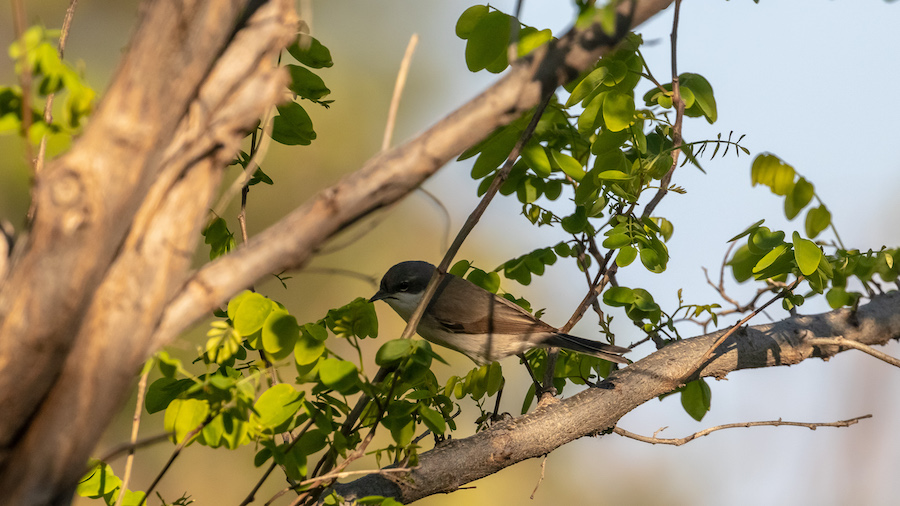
pixel 475 322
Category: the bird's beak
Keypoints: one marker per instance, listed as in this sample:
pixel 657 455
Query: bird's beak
pixel 379 295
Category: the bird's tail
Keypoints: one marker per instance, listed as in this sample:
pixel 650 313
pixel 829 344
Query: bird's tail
pixel 588 347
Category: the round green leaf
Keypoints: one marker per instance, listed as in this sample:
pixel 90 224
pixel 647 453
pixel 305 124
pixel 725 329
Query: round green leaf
pixel 468 19
pixel 394 351
pixel 279 333
pixel 184 416
pixel 626 255
pixel 817 220
pixel 338 374
pixel 251 314
pixel 618 110
pixel 488 40
pixel 276 406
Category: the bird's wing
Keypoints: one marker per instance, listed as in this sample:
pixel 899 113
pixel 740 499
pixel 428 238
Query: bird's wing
pixel 488 313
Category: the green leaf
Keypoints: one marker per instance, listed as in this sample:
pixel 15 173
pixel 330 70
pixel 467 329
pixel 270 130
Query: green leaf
pixel 588 85
pixel 613 175
pixel 807 254
pixel 696 398
pixel 488 40
pixel 817 220
pixel 218 237
pixel 292 126
pixel 704 101
pixel 575 222
pixel 394 351
pixel 626 255
pixel 184 416
pixel 280 333
pixel 276 406
pixel 251 313
pixel 771 171
pixel 432 419
pixel 163 391
pixel 308 348
pixel 748 231
pixel 762 240
pixel 799 196
pixel 469 19
pixel 494 152
pixel 769 258
pixel 311 442
pixel 536 157
pixel 618 296
pixel 306 84
pixel 531 39
pixel 100 481
pixel 490 281
pixel 338 374
pixel 569 165
pixel 310 52
pixel 357 318
pixel 618 110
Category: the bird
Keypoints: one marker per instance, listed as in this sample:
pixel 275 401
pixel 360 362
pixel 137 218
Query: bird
pixel 464 317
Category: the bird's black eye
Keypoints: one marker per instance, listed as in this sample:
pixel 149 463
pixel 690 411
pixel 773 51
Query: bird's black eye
pixel 403 286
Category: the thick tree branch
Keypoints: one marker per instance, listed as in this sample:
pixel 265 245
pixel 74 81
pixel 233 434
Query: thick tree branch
pixel 140 196
pixel 595 410
pixel 391 175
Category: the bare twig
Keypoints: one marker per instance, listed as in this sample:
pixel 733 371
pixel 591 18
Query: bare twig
pixel 705 432
pixel 135 424
pixel 128 447
pixel 541 479
pixel 679 116
pixel 848 343
pixel 399 84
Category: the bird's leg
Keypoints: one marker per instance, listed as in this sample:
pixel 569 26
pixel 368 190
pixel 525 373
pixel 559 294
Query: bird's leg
pixel 496 415
pixel 539 390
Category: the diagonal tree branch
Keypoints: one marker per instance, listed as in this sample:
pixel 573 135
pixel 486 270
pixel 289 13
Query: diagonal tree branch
pixel 460 461
pixel 85 360
pixel 391 175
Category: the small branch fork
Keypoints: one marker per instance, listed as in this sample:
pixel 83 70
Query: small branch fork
pixel 705 432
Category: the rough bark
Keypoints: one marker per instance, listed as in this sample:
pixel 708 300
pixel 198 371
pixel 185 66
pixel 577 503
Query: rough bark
pixel 461 461
pixel 117 219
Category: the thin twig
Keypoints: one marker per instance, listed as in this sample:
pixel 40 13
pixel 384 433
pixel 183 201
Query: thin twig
pixel 775 423
pixel 135 424
pixel 48 107
pixel 843 342
pixel 541 479
pixel 132 446
pixel 399 84
pixel 679 117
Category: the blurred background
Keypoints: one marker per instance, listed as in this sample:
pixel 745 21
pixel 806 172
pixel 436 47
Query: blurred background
pixel 812 82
